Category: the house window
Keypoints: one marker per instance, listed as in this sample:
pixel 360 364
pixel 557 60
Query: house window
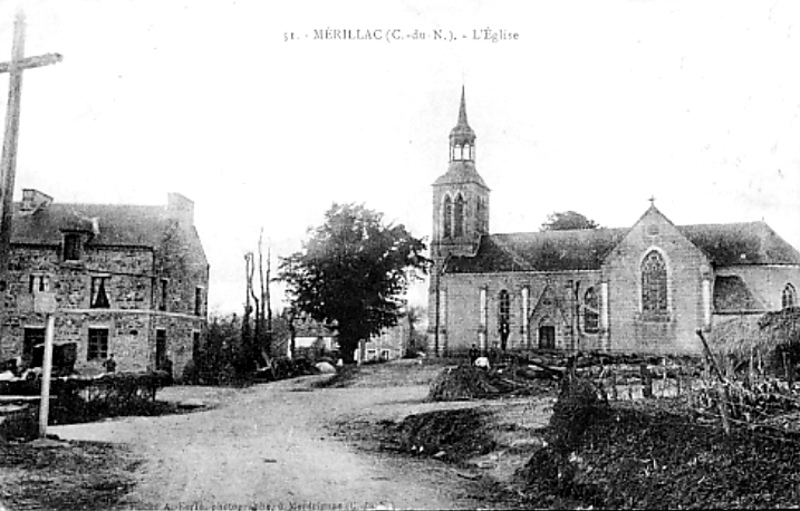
pixel 591 314
pixel 99 298
pixel 38 284
pixel 789 296
pixel 447 216
pixel 198 301
pixel 384 354
pixel 458 217
pixel 162 305
pixel 97 348
pixel 72 247
pixel 32 337
pixel 654 284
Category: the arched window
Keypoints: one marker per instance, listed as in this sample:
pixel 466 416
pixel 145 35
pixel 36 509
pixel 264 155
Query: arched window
pixel 447 216
pixel 654 284
pixel 789 296
pixel 504 320
pixel 591 314
pixel 458 217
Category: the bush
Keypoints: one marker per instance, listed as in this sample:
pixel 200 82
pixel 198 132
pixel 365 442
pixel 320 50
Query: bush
pixel 578 405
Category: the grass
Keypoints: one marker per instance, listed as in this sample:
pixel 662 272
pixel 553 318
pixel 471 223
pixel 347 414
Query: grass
pixel 53 475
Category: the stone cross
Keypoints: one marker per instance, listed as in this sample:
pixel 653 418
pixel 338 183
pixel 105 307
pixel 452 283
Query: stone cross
pixel 8 165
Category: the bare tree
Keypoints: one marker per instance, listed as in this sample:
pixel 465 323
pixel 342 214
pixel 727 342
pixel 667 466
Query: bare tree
pixel 260 339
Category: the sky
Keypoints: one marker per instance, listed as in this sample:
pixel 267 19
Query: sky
pixel 263 115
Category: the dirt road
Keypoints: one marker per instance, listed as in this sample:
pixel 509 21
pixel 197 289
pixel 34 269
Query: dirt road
pixel 268 446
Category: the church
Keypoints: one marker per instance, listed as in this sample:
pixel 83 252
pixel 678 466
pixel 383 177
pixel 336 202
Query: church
pixel 642 289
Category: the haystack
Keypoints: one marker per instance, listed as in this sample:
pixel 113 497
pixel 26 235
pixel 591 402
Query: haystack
pixel 460 383
pixel 768 337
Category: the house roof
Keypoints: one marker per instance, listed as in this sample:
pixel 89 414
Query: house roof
pixel 737 244
pixel 110 224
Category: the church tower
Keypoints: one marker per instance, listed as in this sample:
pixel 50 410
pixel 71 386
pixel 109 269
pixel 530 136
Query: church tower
pixel 460 197
pixel 460 218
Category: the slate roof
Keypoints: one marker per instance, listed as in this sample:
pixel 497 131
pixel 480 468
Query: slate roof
pixel 740 244
pixel 111 224
pixel 460 172
pixel 737 244
pixel 543 251
pixel 731 294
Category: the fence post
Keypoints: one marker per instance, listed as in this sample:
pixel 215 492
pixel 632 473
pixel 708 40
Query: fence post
pixel 647 381
pixel 614 393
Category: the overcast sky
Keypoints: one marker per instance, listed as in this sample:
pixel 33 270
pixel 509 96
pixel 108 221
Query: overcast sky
pixel 594 107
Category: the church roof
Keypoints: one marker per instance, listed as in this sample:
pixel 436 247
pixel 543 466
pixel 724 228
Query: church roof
pixel 462 132
pixel 543 251
pixel 752 243
pixel 460 172
pixel 738 244
pixel 110 224
pixel 731 294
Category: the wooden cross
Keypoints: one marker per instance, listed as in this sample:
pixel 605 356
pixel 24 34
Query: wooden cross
pixel 652 200
pixel 8 165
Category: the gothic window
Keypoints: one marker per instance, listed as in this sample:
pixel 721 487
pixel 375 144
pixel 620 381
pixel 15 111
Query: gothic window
pixel 447 216
pixel 654 284
pixel 504 320
pixel 99 298
pixel 591 316
pixel 458 217
pixel 789 296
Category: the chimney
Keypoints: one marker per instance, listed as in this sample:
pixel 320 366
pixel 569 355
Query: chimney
pixel 180 208
pixel 34 200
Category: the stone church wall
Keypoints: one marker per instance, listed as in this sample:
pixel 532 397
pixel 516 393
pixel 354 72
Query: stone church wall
pixel 766 282
pixel 630 329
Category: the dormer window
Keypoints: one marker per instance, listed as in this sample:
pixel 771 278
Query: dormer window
pixel 73 246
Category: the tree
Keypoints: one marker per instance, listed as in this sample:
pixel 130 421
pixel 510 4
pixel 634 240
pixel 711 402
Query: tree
pixel 352 272
pixel 257 340
pixel 568 220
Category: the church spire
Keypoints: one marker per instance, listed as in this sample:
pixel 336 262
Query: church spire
pixel 462 137
pixel 462 111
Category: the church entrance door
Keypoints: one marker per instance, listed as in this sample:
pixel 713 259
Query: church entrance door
pixel 547 337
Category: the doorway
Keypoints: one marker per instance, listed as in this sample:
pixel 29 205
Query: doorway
pixel 547 337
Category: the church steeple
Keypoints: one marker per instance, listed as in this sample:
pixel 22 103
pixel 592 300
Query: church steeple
pixel 462 137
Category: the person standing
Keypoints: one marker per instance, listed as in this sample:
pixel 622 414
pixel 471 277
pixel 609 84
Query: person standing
pixel 110 364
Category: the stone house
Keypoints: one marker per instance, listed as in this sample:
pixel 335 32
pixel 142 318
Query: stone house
pixel 646 288
pixel 390 344
pixel 128 280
